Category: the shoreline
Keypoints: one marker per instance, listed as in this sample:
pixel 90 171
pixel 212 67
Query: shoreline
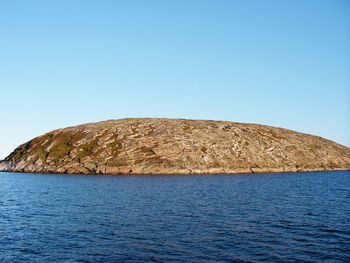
pixel 185 174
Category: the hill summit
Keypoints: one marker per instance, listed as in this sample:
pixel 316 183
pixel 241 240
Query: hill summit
pixel 175 146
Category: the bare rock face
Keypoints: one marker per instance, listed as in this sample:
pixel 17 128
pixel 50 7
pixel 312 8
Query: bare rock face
pixel 167 146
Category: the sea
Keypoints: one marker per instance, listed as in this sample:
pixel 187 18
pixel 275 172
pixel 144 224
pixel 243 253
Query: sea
pixel 289 217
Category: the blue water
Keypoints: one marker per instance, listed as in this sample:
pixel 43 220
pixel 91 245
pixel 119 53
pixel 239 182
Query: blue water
pixel 240 218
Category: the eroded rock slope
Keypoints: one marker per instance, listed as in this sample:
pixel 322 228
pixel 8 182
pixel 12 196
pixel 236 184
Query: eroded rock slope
pixel 168 146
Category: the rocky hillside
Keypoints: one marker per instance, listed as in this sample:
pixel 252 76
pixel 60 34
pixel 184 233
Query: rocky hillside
pixel 166 146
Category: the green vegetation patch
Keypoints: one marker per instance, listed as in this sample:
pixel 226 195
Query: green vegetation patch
pixel 86 149
pixel 62 146
pixel 40 153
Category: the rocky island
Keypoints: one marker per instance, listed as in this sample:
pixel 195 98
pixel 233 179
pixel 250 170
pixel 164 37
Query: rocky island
pixel 175 146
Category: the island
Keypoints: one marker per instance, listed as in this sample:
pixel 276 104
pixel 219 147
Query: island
pixel 149 146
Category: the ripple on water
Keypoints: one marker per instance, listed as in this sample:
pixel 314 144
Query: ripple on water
pixel 251 218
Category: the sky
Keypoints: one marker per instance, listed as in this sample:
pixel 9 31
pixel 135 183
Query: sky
pixel 279 63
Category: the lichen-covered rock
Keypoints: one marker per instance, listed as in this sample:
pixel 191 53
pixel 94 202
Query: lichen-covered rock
pixel 167 146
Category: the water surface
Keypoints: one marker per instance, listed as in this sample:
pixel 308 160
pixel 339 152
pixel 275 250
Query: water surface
pixel 242 218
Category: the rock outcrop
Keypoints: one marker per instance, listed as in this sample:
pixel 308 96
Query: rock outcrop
pixel 169 146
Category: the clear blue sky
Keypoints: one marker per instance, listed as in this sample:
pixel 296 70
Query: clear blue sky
pixel 280 63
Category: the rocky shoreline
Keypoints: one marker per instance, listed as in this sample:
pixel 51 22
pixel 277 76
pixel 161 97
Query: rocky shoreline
pixel 173 146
